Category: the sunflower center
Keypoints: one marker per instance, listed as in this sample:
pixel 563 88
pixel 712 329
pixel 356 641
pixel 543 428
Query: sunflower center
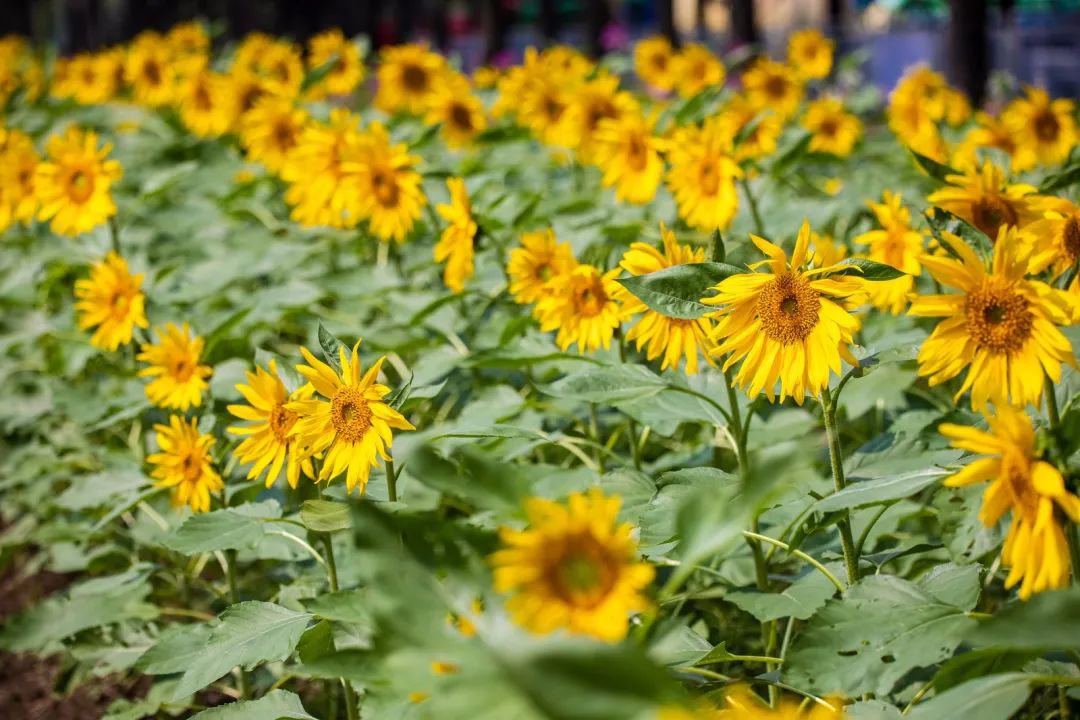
pixel 1047 127
pixel 659 62
pixel 828 127
pixel 385 187
pixel 414 78
pixel 460 117
pixel 249 96
pixel 590 299
pixel 637 153
pixel 202 98
pixel 281 422
pixel 998 318
pixel 152 72
pixel 709 177
pixel 990 212
pixel 788 308
pixel 1016 476
pixel 284 135
pixel 119 303
pixel 181 369
pixel 191 466
pixel 552 107
pixel 597 112
pixel 81 186
pixel 584 572
pixel 350 414
pixel 776 87
pixel 1070 235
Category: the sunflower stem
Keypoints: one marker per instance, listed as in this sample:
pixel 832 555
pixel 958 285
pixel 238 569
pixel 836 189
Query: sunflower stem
pixel 759 226
pixel 391 481
pixel 234 597
pixel 114 235
pixel 1054 417
pixel 332 578
pixel 847 542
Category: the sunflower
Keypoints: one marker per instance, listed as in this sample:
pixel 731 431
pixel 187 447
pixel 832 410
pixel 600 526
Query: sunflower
pixel 787 324
pixel 696 68
pixel 407 76
pixel 773 86
pixel 834 130
pixel 542 109
pixel 991 133
pixel 318 191
pixel 245 91
pixel 584 306
pixel 825 251
pixel 654 62
pixel 810 54
pixel 1046 128
pixel 149 71
pixel 18 166
pixel 111 300
pixel 984 198
pixel 957 107
pixel 589 104
pixel 455 247
pixel 1001 326
pixel 249 52
pixel 270 130
pixel 281 66
pixel 86 80
pixel 183 463
pixel 486 77
pixel 459 111
pixel 187 39
pixel 675 338
pixel 178 378
pixel 574 567
pixel 915 105
pixel 348 423
pixel 1056 240
pixel 1035 550
pixel 206 106
pixel 387 185
pixel 755 132
pixel 702 175
pixel 628 153
pixel 270 442
pixel 897 244
pixel 347 71
pixel 531 267
pixel 72 185
pixel 740 703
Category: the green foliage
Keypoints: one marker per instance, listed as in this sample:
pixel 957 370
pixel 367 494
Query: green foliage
pixel 677 291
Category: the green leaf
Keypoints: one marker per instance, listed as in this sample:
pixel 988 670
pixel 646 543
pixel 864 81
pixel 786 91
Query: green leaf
pixel 175 650
pixel 718 654
pixel 1047 621
pixel 275 705
pixel 942 221
pixel 799 600
pixel 470 475
pixel 677 644
pixel 325 516
pixel 330 347
pixel 677 291
pixel 932 168
pixel 880 490
pixel 979 663
pixel 317 74
pixel 316 642
pixel 790 156
pixel 246 634
pixel 229 529
pixel 995 697
pixel 867 270
pixel 953 584
pixel 90 491
pixel 881 629
pixel 1066 178
pixel 348 606
pixel 607 384
pixel 899 354
pixel 871 710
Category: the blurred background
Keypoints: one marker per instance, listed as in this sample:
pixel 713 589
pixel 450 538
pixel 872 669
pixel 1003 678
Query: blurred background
pixel 1036 41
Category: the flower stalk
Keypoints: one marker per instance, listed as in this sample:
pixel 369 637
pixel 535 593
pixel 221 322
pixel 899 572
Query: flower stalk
pixel 847 541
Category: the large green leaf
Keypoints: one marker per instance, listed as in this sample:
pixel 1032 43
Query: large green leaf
pixel 867 270
pixel 942 221
pixel 229 529
pixel 246 634
pixel 995 697
pixel 881 629
pixel 607 384
pixel 677 291
pixel 1048 621
pixel 325 516
pixel 275 705
pixel 932 168
pixel 799 600
pixel 175 650
pixel 880 490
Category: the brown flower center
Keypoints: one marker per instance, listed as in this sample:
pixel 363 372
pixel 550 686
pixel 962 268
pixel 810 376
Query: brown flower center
pixel 384 186
pixel 284 134
pixel 350 414
pixel 460 117
pixel 1070 237
pixel 191 466
pixel 182 369
pixel 776 87
pixel 583 571
pixel 152 72
pixel 81 186
pixel 281 422
pixel 709 177
pixel 637 152
pixel 990 212
pixel 828 127
pixel 788 308
pixel 590 298
pixel 1047 127
pixel 998 318
pixel 414 78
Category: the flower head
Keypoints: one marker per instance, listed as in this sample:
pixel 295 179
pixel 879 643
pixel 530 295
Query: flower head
pixel 387 184
pixel 455 247
pixel 702 175
pixel 178 378
pixel 531 266
pixel 206 104
pixel 1035 550
pixel 112 301
pixel 320 190
pixel 789 324
pixel 834 130
pixel 407 76
pixel 810 54
pixel 898 244
pixel 696 68
pixel 1045 129
pixel 347 71
pixel 654 62
pixel 774 86
pixel 985 199
pixel 271 129
pixel 73 183
pixel 574 567
pixel 18 167
pixel 460 112
pixel 584 306
pixel 183 463
pixel 628 154
pixel 149 70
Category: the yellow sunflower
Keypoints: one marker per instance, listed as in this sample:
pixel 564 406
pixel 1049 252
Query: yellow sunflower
pixel 111 300
pixel 458 110
pixel 183 463
pixel 388 187
pixel 985 199
pixel 407 76
pixel 810 54
pixel 834 130
pixel 773 86
pixel 347 424
pixel 702 175
pixel 696 68
pixel 1056 240
pixel 628 154
pixel 1045 128
pixel 675 338
pixel 245 91
pixel 149 71
pixel 654 62
pixel 825 251
pixel 269 441
pixel 915 105
pixel 531 266
pixel 281 66
pixel 897 244
pixel 72 185
pixel 785 325
pixel 584 306
pixel 542 108
pixel 589 104
pixel 455 247
pixel 18 167
pixel 347 71
pixel 178 378
pixel 1001 326
pixel 86 80
pixel 574 567
pixel 249 52
pixel 990 132
pixel 319 191
pixel 206 106
pixel 755 131
pixel 270 130
pixel 1036 551
pixel 486 77
pixel 741 703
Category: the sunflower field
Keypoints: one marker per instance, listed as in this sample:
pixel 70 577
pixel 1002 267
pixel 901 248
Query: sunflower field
pixel 689 386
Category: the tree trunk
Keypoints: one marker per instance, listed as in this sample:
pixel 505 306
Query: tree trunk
pixel 596 17
pixel 837 19
pixel 743 26
pixel 967 48
pixel 549 21
pixel 665 21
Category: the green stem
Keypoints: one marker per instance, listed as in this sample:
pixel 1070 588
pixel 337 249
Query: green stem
pixel 759 226
pixel 234 597
pixel 869 526
pixel 1072 535
pixel 332 578
pixel 705 673
pixel 797 553
pixel 847 543
pixel 391 481
pixel 114 235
